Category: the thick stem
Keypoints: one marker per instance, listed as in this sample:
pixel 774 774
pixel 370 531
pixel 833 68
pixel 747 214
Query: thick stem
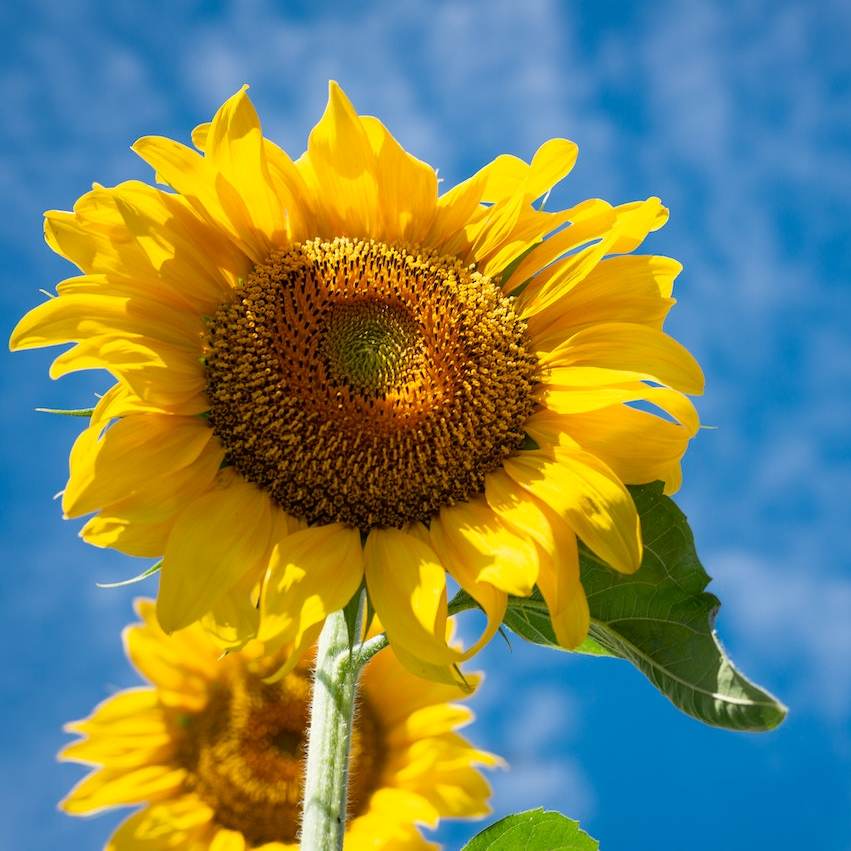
pixel 329 736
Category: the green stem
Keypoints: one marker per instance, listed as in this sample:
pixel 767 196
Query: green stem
pixel 329 736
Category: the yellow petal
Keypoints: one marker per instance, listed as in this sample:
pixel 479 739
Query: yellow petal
pixel 412 691
pixel 589 496
pixel 195 179
pixel 117 286
pixel 455 209
pixel 552 162
pixel 200 133
pixel 395 806
pixel 519 510
pixel 112 464
pixel 562 399
pixel 637 349
pixel 497 252
pixel 140 524
pixel 487 548
pixel 442 673
pixel 312 573
pixel 562 590
pixel 632 288
pixel 181 665
pixel 135 231
pixel 287 185
pixel 182 823
pixel 128 750
pixel 638 446
pixel 233 619
pixel 558 576
pixel 120 401
pixel 76 317
pixel 234 147
pixel 217 540
pixel 503 177
pixel 632 222
pixel 589 221
pixel 340 167
pixel 159 373
pixel 407 185
pixel 496 242
pixel 453 549
pixel 181 249
pixel 430 721
pixel 107 788
pixel 227 840
pixel 407 586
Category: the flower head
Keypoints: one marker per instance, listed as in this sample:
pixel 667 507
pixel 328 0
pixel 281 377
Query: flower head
pixel 213 751
pixel 326 372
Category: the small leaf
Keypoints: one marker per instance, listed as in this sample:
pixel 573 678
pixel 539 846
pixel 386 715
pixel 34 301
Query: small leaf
pixel 132 581
pixel 534 830
pixel 69 412
pixel 662 620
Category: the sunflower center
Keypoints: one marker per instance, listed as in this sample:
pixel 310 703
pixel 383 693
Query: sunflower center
pixel 366 383
pixel 244 753
pixel 370 345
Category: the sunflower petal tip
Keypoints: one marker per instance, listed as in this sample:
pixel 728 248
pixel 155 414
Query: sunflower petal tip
pixel 337 96
pixel 168 620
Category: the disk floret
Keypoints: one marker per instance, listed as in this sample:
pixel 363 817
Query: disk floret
pixel 367 383
pixel 244 754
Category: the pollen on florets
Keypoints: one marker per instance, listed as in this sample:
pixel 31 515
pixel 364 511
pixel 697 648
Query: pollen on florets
pixel 366 383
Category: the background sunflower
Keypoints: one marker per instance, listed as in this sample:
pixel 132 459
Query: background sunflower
pixel 214 753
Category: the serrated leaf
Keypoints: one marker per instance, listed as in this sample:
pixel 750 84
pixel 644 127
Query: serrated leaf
pixel 534 830
pixel 661 619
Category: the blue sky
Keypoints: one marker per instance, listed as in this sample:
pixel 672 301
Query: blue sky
pixel 739 117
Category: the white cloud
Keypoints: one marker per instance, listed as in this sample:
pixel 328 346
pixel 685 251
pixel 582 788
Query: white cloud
pixel 790 620
pixel 535 740
pixel 559 784
pixel 447 78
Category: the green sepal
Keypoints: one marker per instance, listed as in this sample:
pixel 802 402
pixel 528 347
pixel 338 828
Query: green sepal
pixel 69 412
pixel 533 830
pixel 154 568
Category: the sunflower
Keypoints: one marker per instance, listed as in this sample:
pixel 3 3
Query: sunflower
pixel 214 752
pixel 328 373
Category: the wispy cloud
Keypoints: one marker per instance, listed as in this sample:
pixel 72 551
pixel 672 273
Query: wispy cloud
pixel 535 739
pixel 786 619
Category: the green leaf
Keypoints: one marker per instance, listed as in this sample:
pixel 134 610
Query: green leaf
pixel 534 830
pixel 134 579
pixel 662 620
pixel 69 412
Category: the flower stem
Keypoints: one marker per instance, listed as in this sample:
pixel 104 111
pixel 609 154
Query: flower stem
pixel 330 732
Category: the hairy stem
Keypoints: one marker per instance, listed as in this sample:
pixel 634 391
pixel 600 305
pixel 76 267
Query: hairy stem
pixel 329 737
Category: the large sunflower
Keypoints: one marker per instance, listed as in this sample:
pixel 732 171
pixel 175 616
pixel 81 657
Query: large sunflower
pixel 214 753
pixel 328 372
